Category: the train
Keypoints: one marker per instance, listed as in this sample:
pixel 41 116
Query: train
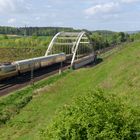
pixel 18 67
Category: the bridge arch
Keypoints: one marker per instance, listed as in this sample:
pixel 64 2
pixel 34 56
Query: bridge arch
pixel 75 40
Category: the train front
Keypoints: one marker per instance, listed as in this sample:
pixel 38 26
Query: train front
pixel 7 70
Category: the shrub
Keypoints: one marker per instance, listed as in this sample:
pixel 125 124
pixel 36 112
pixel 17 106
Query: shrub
pixel 94 116
pixel 9 111
pixel 24 102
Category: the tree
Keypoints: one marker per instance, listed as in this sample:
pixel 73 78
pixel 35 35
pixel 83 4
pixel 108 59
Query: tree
pixel 122 36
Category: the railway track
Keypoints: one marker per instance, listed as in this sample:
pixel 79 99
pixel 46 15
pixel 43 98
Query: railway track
pixel 15 83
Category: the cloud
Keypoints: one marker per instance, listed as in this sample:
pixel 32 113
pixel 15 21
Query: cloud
pixel 129 1
pixel 90 14
pixel 108 7
pixel 12 6
pixel 12 20
pixel 102 8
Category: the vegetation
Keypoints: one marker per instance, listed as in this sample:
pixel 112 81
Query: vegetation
pixel 104 39
pixel 24 42
pixel 17 48
pixel 97 115
pixel 14 47
pixel 14 54
pixel 136 36
pixel 119 82
pixel 12 104
pixel 33 31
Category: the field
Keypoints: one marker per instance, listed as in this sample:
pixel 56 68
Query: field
pixel 14 48
pixel 117 74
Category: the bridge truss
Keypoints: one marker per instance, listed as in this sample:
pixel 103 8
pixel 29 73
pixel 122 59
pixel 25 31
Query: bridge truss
pixel 73 44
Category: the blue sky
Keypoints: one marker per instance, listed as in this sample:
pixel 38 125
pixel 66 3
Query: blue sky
pixel 117 15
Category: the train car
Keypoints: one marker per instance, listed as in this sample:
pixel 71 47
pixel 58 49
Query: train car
pixel 26 65
pixel 84 61
pixel 13 69
pixel 7 70
pixel 39 62
pixel 52 59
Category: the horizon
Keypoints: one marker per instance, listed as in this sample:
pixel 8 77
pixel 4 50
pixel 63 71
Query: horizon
pixel 111 15
pixel 68 27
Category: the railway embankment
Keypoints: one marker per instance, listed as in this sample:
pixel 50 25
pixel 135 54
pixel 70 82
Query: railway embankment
pixel 117 77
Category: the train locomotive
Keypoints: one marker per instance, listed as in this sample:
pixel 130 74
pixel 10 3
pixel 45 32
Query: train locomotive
pixel 18 67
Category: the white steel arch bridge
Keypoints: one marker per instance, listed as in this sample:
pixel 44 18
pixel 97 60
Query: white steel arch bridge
pixel 74 44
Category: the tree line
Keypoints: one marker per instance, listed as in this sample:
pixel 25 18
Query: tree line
pixel 104 39
pixel 33 31
pixel 100 38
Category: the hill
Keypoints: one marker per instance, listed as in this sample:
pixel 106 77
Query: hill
pixel 118 74
pixel 132 32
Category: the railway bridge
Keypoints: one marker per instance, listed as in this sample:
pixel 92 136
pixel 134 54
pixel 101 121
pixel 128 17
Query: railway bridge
pixel 77 46
pixel 75 49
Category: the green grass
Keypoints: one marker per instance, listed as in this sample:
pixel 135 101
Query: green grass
pixel 15 54
pixel 136 36
pixel 12 104
pixel 117 74
pixel 18 48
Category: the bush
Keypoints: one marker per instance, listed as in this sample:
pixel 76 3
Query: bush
pixel 95 116
pixel 11 110
pixel 24 102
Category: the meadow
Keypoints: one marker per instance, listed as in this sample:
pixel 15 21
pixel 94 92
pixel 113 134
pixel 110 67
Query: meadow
pixel 117 75
pixel 14 48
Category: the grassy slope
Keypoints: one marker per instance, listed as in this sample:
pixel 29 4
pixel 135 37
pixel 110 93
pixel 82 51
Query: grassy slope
pixel 118 74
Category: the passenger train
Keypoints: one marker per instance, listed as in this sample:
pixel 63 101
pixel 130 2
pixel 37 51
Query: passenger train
pixel 18 67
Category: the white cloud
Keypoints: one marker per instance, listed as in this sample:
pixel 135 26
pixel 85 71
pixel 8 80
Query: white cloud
pixel 108 7
pixel 102 8
pixel 12 20
pixel 129 1
pixel 12 6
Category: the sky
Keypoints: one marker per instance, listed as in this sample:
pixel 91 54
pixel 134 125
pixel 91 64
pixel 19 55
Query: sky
pixel 115 15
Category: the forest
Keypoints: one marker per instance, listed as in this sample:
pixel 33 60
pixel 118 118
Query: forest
pixel 33 31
